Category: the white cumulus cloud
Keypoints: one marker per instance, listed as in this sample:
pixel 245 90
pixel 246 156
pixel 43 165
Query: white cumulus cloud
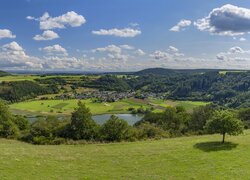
pixel 110 48
pixel 47 35
pixel 127 47
pixel 181 25
pixel 126 32
pixel 140 52
pixel 159 55
pixel 227 20
pixel 242 39
pixel 69 19
pixel 55 49
pixel 5 33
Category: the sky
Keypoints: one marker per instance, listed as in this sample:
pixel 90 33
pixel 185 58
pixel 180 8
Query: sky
pixel 124 35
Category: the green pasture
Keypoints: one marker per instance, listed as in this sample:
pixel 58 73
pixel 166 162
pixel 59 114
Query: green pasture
pixel 19 77
pixel 233 71
pixel 67 106
pixel 198 157
pixel 188 105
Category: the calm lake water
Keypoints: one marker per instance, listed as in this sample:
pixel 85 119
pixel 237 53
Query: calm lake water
pixel 100 119
pixel 130 118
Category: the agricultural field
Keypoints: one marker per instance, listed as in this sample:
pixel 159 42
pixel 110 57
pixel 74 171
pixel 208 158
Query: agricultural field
pixel 28 77
pixel 67 106
pixel 198 157
pixel 19 78
pixel 232 71
pixel 188 105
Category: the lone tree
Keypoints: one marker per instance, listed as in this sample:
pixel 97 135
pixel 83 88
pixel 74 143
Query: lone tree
pixel 82 125
pixel 224 122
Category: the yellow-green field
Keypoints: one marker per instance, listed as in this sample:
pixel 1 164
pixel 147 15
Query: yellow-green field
pixel 233 71
pixel 198 157
pixel 67 106
pixel 33 77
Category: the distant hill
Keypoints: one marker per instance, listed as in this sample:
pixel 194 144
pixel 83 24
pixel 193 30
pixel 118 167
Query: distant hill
pixel 156 71
pixel 167 72
pixel 3 73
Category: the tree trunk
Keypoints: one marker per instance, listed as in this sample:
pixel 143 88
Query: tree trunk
pixel 223 138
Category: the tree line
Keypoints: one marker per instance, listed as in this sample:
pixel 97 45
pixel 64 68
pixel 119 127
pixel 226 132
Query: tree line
pixel 81 128
pixel 23 90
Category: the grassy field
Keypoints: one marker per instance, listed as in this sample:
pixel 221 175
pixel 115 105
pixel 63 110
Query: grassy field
pixel 33 77
pixel 198 157
pixel 67 106
pixel 233 71
pixel 188 105
pixel 19 78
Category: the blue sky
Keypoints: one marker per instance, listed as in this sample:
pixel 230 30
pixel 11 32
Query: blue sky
pixel 123 35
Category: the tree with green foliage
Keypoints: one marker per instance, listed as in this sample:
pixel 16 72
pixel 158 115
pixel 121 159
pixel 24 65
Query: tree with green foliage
pixel 82 125
pixel 114 129
pixel 46 130
pixel 244 115
pixel 199 118
pixel 7 127
pixel 22 122
pixel 224 122
pixel 150 131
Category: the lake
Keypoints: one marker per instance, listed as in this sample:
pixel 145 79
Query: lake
pixel 130 118
pixel 100 119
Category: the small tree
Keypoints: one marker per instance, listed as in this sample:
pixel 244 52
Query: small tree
pixel 7 127
pixel 224 122
pixel 114 129
pixel 82 125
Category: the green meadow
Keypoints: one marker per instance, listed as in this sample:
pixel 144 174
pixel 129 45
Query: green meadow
pixel 33 77
pixel 67 106
pixel 198 157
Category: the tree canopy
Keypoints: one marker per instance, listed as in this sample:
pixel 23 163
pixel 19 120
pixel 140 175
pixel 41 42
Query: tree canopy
pixel 224 122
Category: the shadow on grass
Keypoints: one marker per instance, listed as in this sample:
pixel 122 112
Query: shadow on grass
pixel 215 146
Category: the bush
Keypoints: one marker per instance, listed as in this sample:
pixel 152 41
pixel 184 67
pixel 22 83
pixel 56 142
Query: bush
pixel 150 131
pixel 114 129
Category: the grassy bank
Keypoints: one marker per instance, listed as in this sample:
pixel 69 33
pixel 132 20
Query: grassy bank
pixel 180 158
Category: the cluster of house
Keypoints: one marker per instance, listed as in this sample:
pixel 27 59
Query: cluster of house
pixel 108 96
pixel 98 96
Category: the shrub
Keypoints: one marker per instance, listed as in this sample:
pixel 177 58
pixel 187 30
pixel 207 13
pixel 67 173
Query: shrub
pixel 151 131
pixel 114 129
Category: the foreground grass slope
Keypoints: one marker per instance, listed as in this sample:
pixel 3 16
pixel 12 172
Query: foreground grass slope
pixel 180 158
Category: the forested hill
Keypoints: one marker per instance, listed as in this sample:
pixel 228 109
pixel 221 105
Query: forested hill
pixel 167 72
pixel 3 73
pixel 156 71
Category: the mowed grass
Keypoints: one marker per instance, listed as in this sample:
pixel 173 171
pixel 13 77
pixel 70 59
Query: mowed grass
pixel 232 71
pixel 198 157
pixel 19 78
pixel 67 106
pixel 188 105
pixel 33 77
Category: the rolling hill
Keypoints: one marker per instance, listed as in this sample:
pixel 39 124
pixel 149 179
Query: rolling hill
pixel 3 73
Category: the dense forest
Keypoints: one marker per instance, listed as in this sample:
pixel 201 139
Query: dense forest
pixel 3 73
pixel 22 90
